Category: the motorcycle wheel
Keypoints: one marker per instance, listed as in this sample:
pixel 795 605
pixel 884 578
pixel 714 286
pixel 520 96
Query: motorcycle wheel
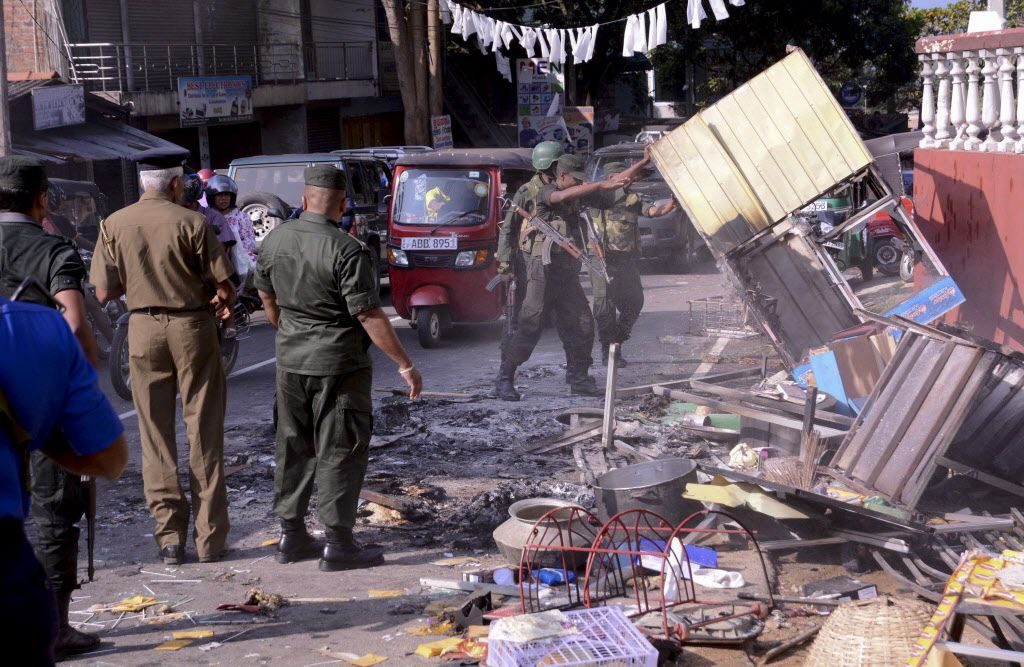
pixel 118 365
pixel 102 344
pixel 887 257
pixel 907 263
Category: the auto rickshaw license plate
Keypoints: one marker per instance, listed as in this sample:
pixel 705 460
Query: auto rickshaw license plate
pixel 431 243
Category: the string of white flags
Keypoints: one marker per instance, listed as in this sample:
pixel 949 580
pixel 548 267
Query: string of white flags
pixel 644 32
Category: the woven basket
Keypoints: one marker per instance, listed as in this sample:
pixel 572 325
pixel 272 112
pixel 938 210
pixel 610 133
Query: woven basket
pixel 870 633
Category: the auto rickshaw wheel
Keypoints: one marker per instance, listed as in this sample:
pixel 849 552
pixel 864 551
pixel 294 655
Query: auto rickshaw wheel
pixel 428 327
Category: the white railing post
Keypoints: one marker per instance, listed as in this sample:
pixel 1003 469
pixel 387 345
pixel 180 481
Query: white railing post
pixel 1019 53
pixel 942 134
pixel 1007 108
pixel 956 113
pixel 973 113
pixel 927 104
pixel 990 102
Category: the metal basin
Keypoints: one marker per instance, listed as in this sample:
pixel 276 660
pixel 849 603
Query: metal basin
pixel 524 514
pixel 656 486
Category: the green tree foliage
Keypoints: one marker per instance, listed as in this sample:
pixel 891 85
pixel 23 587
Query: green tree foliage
pixel 952 19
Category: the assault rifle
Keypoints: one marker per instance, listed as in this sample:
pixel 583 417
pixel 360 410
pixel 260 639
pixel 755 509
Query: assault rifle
pixel 509 279
pixel 595 262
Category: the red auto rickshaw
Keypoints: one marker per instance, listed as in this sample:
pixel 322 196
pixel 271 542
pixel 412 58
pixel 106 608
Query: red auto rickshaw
pixel 443 233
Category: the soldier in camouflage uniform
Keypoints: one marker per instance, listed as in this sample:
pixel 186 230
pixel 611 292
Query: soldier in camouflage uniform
pixel 617 305
pixel 512 240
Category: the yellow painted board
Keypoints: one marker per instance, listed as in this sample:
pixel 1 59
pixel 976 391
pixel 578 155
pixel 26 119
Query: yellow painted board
pixel 395 593
pixel 750 154
pixel 478 631
pixel 198 633
pixel 837 124
pixel 173 645
pixel 368 660
pixel 739 207
pixel 434 649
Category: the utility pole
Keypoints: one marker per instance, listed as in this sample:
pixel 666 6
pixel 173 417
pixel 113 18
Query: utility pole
pixel 5 117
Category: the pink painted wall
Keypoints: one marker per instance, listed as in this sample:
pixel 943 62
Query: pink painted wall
pixel 970 208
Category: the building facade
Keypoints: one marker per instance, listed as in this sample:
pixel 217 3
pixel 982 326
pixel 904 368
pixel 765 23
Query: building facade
pixel 269 76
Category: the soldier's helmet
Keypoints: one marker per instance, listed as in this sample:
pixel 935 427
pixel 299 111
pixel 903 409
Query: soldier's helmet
pixel 545 153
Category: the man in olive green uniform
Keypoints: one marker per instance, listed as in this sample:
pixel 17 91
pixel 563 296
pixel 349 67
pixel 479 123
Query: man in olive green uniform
pixel 319 290
pixel 557 285
pixel 59 498
pixel 511 239
pixel 617 305
pixel 168 263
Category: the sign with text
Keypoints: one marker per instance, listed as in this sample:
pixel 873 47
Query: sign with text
pixel 441 131
pixel 540 89
pixel 214 100
pixel 57 106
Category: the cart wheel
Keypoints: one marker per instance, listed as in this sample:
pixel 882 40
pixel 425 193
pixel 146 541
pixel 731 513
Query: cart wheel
pixel 428 327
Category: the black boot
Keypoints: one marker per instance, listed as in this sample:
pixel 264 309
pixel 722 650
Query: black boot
pixel 70 641
pixel 581 383
pixel 296 543
pixel 505 384
pixel 343 552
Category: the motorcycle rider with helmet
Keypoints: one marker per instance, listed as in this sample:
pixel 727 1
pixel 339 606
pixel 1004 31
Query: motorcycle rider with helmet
pixel 222 195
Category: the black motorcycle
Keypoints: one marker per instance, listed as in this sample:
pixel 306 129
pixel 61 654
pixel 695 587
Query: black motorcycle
pixel 120 365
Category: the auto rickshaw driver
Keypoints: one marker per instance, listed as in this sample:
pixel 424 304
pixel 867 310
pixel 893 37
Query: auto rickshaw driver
pixel 434 201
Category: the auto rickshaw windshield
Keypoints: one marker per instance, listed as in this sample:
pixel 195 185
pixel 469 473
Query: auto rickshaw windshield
pixel 442 197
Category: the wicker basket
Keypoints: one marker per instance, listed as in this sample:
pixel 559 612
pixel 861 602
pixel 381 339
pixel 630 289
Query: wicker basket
pixel 869 633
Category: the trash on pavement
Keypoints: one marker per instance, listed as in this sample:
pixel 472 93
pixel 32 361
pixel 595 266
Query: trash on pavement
pixel 173 645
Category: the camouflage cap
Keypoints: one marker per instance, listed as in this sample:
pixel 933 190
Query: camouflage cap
pixel 325 176
pixel 22 173
pixel 572 165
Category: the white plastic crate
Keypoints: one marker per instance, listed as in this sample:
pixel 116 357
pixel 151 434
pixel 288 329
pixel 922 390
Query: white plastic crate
pixel 606 638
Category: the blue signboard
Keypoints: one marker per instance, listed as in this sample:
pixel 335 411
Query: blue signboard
pixel 850 93
pixel 214 100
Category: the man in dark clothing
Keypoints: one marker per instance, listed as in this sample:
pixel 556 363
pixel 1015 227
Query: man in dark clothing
pixel 59 498
pixel 556 286
pixel 319 290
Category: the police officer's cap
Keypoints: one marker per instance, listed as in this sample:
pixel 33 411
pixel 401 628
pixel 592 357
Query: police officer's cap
pixel 325 176
pixel 161 162
pixel 24 174
pixel 572 165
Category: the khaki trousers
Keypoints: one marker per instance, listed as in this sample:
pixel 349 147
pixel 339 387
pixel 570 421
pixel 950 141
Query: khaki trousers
pixel 170 353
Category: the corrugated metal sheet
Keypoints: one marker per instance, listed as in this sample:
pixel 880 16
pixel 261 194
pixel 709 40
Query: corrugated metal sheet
pixel 103 20
pixel 762 152
pixel 94 140
pixel 939 398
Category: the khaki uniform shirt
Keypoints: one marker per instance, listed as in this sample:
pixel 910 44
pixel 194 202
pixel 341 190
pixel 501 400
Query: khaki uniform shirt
pixel 322 278
pixel 618 225
pixel 526 199
pixel 161 255
pixel 26 251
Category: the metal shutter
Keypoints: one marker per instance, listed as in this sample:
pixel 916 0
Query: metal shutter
pixel 323 129
pixel 103 20
pixel 229 22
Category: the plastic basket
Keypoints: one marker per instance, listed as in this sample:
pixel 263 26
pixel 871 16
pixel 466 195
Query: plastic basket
pixel 606 637
pixel 717 317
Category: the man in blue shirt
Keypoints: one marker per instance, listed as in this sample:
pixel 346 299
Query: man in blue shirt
pixel 45 383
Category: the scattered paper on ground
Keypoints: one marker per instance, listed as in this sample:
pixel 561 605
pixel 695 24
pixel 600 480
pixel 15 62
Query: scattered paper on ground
pixel 531 627
pixel 440 629
pixel 477 631
pixel 131 605
pixel 273 541
pixel 387 594
pixel 435 649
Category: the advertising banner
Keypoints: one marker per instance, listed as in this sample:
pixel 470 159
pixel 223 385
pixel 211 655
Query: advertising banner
pixel 214 100
pixel 441 131
pixel 540 90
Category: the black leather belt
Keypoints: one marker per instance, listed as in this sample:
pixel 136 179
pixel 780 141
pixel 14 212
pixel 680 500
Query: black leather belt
pixel 155 310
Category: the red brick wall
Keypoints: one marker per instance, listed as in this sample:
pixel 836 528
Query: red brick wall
pixel 970 208
pixel 22 40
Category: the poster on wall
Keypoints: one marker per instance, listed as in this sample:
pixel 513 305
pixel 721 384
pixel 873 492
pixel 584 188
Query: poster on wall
pixel 214 100
pixel 540 87
pixel 579 122
pixel 441 131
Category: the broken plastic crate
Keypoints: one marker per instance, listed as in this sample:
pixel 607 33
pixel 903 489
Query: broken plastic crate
pixel 606 637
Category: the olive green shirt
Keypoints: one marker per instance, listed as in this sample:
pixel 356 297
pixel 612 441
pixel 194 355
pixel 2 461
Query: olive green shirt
pixel 26 251
pixel 564 217
pixel 160 254
pixel 322 279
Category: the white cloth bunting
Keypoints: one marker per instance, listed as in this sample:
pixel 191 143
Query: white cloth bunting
pixel 504 66
pixel 719 10
pixel 657 27
pixel 695 13
pixel 629 37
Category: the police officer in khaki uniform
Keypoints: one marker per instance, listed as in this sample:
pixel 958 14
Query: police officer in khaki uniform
pixel 319 290
pixel 59 498
pixel 168 263
pixel 617 305
pixel 557 285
